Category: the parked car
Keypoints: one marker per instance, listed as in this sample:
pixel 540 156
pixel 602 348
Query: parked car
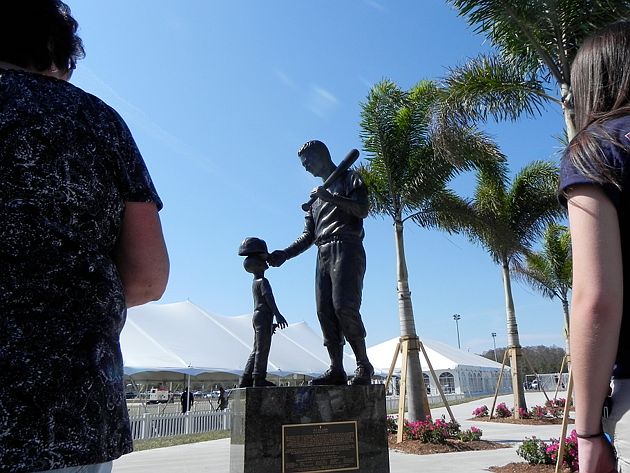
pixel 158 396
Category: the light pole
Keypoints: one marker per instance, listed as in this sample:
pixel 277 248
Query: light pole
pixel 494 342
pixel 456 318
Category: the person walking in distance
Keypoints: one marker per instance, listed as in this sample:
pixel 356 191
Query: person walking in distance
pixel 187 400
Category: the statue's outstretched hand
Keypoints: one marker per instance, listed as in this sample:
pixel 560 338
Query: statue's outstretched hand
pixel 277 258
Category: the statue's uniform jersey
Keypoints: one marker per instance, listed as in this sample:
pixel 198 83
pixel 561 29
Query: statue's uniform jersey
pixel 325 221
pixel 338 234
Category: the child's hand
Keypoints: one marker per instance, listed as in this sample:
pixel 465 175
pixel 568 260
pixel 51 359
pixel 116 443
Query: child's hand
pixel 281 321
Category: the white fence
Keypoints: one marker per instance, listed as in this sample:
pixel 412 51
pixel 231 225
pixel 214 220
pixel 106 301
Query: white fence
pixel 391 402
pixel 148 426
pixel 548 381
pixel 138 408
pixel 168 424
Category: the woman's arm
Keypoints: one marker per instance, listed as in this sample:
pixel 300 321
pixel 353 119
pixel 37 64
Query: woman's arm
pixel 141 255
pixel 596 310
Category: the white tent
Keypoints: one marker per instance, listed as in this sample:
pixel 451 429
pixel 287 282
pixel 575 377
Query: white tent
pixel 459 371
pixel 184 338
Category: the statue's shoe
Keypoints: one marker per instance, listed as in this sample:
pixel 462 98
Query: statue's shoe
pixel 363 375
pixel 331 378
pixel 262 383
pixel 246 382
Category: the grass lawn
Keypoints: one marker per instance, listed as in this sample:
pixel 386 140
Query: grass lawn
pixel 139 445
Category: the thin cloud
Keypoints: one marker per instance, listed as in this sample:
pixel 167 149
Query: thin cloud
pixel 376 5
pixel 140 120
pixel 321 101
pixel 284 78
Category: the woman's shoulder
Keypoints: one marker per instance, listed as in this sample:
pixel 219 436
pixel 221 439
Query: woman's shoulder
pixel 94 102
pixel 50 94
pixel 611 139
pixel 615 130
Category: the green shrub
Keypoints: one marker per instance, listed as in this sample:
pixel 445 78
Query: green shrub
pixel 534 451
pixel 469 435
pixel 438 431
pixel 503 411
pixel 537 452
pixel 392 424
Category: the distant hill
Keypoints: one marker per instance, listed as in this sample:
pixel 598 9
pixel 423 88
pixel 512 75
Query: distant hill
pixel 543 359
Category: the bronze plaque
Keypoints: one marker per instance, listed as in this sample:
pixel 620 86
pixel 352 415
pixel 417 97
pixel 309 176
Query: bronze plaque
pixel 321 447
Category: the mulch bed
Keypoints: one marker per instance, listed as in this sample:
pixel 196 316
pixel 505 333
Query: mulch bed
pixel 418 448
pixel 512 420
pixel 524 468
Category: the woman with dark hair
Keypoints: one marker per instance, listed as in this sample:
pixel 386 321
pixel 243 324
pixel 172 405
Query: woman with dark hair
pixel 80 241
pixel 594 180
pixel 39 35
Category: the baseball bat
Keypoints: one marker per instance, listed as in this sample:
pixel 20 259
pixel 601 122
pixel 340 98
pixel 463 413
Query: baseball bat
pixel 343 166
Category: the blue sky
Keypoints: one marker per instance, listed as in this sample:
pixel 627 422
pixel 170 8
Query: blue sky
pixel 220 95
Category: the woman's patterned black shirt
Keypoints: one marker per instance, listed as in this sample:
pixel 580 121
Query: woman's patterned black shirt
pixel 68 164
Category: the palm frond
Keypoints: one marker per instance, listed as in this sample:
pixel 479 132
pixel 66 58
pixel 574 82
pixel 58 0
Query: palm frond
pixel 465 146
pixel 403 172
pixel 491 189
pixel 508 218
pixel 533 200
pixel 543 34
pixel 379 195
pixel 491 86
pixel 537 274
pixel 446 211
pixel 549 271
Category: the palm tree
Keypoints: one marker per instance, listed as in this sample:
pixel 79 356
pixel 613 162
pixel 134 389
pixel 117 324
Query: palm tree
pixel 536 42
pixel 506 219
pixel 549 271
pixel 407 181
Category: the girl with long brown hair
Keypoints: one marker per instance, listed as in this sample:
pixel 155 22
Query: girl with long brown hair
pixel 594 182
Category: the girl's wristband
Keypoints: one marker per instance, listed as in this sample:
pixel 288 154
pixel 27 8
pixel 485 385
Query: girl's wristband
pixel 589 436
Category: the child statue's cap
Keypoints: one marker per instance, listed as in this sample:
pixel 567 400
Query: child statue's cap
pixel 253 246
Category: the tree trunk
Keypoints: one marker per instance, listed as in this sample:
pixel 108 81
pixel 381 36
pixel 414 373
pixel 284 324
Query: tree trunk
pixel 568 112
pixel 565 308
pixel 416 391
pixel 516 361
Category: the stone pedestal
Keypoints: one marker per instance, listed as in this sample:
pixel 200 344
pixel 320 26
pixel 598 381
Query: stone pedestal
pixel 309 429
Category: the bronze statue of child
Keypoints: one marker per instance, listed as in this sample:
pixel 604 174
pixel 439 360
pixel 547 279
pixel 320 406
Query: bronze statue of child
pixel 265 309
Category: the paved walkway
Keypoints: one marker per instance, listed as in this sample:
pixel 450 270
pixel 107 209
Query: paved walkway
pixel 214 456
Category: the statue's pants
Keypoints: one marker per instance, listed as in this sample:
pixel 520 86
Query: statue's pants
pixel 257 362
pixel 338 286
